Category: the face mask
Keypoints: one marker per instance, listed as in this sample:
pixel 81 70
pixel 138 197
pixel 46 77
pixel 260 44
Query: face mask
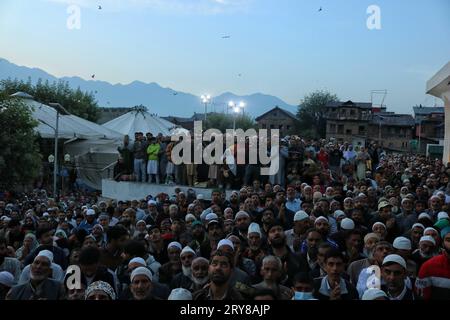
pixel 303 295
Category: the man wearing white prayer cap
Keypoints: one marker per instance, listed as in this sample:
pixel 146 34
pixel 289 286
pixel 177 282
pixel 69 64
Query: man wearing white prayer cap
pixel 141 284
pixel 254 240
pixel 180 294
pixel 403 247
pixel 374 294
pixel 297 234
pixel 347 224
pixel 6 282
pixel 171 268
pixel 184 279
pixel 394 275
pixel 426 251
pixel 57 272
pixel 39 286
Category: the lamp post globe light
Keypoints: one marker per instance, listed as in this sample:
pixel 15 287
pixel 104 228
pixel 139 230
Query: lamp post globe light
pixel 206 98
pixel 59 110
pixel 237 107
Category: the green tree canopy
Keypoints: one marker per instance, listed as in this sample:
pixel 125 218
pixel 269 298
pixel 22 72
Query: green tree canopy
pixel 223 121
pixel 77 102
pixel 20 159
pixel 311 122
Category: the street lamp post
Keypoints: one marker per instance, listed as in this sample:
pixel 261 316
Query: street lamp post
pixel 236 108
pixel 59 110
pixel 206 98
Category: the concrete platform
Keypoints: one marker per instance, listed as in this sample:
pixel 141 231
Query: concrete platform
pixel 124 190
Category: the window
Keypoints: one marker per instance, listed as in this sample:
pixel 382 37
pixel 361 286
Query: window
pixel 288 127
pixel 348 131
pixel 361 130
pixel 272 126
pixel 341 129
pixel 280 127
pixel 264 126
pixel 397 130
pixel 391 144
pixel 275 114
pixel 352 112
pixel 332 128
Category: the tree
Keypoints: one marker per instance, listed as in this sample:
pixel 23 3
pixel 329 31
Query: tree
pixel 77 102
pixel 20 159
pixel 223 121
pixel 310 114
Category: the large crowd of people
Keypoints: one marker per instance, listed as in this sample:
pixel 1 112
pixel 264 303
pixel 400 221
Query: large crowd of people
pixel 335 223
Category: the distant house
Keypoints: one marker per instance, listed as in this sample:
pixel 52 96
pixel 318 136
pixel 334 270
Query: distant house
pixel 277 118
pixel 430 126
pixel 187 123
pixel 395 132
pixel 349 121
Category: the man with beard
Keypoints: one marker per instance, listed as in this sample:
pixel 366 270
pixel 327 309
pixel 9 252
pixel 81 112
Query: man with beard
pixel 242 195
pixel 219 272
pixel 199 276
pixel 333 286
pixel 141 284
pixel 110 256
pixel 322 225
pixel 435 206
pixel 198 235
pixel 215 233
pixel 45 237
pixel 234 201
pixel 312 241
pixel 296 235
pixel 292 262
pixel 171 268
pixel 407 217
pixel 151 216
pixel 184 278
pixel 348 206
pixel 354 269
pixel 254 251
pixel 393 275
pixel 426 251
pixel 380 251
pixel 241 223
pixel 12 265
pixel 238 275
pixel 271 271
pixel 433 280
pixel 267 219
pixel 39 287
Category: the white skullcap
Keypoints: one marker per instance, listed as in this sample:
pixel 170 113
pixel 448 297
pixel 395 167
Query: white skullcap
pixel 180 294
pixel 225 242
pixel 418 225
pixel 254 228
pixel 191 205
pixel 200 197
pixel 361 194
pixel 137 260
pixel 442 215
pixel 347 224
pixel 45 214
pixel 189 216
pixel 175 244
pixel 321 218
pixel 430 229
pixel 339 213
pixel 395 258
pixel 140 221
pixel 90 212
pixel 241 214
pixel 187 249
pixel 141 271
pixel 46 253
pixel 300 216
pixel 402 243
pixel 373 293
pixel 348 198
pixel 371 235
pixel 151 202
pixel 379 223
pixel 406 199
pixel 211 216
pixel 424 215
pixel 6 279
pixel 428 238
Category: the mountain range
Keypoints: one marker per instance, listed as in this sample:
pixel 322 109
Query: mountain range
pixel 159 100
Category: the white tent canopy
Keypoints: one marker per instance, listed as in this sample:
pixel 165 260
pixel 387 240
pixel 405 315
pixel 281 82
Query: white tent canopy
pixel 139 120
pixel 69 126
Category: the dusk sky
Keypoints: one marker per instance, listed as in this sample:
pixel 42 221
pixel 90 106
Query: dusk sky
pixel 285 48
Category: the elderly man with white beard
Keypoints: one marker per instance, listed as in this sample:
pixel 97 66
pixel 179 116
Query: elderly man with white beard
pixel 184 278
pixel 40 286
